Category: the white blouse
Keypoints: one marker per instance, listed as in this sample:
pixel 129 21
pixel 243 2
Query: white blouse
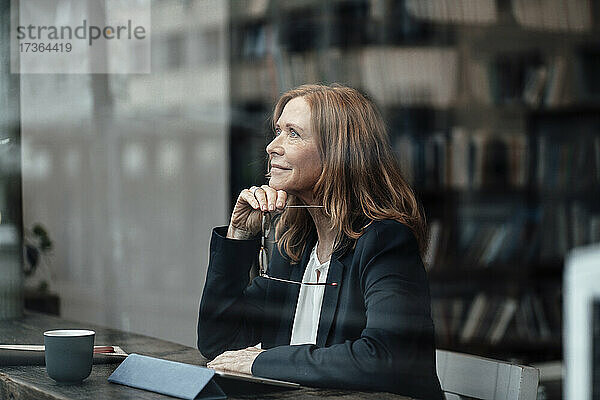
pixel 310 299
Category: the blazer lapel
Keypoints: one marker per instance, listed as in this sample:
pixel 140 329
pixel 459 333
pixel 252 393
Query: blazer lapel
pixel 330 300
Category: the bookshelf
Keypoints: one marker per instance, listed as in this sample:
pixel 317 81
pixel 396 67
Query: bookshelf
pixel 493 109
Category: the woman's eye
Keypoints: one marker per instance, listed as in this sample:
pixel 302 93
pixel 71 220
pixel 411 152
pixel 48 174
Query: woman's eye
pixel 292 132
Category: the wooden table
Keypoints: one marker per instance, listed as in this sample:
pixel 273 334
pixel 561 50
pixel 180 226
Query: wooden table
pixel 31 382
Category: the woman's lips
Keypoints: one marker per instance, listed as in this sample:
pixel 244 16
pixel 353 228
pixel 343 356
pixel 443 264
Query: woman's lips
pixel 278 168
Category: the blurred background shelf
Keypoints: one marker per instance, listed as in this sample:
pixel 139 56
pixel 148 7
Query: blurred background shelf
pixel 494 113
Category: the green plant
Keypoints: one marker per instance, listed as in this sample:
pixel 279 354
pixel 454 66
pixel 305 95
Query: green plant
pixel 37 244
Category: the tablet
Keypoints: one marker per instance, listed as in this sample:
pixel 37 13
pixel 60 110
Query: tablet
pixel 255 379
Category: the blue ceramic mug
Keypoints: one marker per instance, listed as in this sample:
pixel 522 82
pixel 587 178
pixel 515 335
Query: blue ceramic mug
pixel 69 354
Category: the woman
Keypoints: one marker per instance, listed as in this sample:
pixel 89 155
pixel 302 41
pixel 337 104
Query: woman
pixel 366 323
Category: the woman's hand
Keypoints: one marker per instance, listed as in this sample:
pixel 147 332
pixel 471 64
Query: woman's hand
pixel 246 217
pixel 236 361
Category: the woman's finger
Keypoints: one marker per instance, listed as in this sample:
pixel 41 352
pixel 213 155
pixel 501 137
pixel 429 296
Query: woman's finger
pixel 260 195
pixel 220 359
pixel 248 196
pixel 271 196
pixel 281 199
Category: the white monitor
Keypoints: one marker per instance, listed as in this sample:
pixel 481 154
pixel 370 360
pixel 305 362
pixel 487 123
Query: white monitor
pixel 581 337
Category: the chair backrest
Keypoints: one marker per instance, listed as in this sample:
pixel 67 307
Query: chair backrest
pixel 483 378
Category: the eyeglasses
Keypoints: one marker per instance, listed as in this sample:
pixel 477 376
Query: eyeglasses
pixel 263 256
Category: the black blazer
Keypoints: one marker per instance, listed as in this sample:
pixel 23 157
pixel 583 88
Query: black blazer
pixel 375 330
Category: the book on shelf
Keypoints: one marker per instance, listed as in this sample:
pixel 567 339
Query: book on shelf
pixel 410 75
pixel 251 41
pixel 252 81
pixel 562 231
pixel 439 316
pixel 299 29
pixel 459 153
pixel 522 78
pixel 518 159
pixel 481 244
pixel 552 303
pixel 482 318
pixel 555 89
pixel 479 82
pixel 377 9
pixel 546 312
pixel 347 64
pixel 579 226
pixel 302 28
pixel 457 313
pixel 553 241
pixel 492 249
pixel 435 228
pixel 496 318
pixel 511 73
pixel 250 9
pixel 303 67
pixel 479 159
pixel 502 320
pixel 438 245
pixel 498 159
pixel 553 15
pixel 487 322
pixel 533 321
pixel 542 321
pixel 403 27
pixel 587 64
pixel 349 24
pixel 527 13
pixel 529 318
pixel 535 82
pixel 474 316
pixel 435 156
pixel 266 78
pixel 477 244
pixel 403 148
pixel 455 11
pixel 516 236
pixel 566 162
pixel 520 331
pixel 463 159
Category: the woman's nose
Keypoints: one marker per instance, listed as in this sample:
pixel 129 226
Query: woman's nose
pixel 275 146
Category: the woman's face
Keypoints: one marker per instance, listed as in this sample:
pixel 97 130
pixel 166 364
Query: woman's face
pixel 293 154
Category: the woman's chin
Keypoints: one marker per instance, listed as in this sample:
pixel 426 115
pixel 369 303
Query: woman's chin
pixel 275 184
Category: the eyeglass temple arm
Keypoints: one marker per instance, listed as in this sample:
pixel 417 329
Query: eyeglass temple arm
pixel 300 283
pixel 303 206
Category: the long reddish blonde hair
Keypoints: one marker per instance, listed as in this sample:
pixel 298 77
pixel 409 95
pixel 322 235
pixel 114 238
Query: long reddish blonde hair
pixel 361 180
